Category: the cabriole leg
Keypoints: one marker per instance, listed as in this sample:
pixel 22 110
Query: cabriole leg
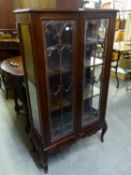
pixel 104 129
pixel 44 161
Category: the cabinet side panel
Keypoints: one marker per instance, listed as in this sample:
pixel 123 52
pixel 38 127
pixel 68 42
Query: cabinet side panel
pixel 29 66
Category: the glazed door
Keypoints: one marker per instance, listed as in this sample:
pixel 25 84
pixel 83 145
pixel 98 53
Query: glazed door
pixel 95 40
pixel 59 38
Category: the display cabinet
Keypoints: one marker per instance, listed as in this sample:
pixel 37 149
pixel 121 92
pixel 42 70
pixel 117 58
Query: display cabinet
pixel 67 57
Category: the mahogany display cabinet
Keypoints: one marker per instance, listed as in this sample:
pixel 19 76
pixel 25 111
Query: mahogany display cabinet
pixel 67 57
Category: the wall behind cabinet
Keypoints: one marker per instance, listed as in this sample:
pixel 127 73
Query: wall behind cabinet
pixel 69 4
pixel 19 4
pixel 64 4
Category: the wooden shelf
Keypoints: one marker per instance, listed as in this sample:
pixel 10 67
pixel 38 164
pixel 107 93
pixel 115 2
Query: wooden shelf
pixel 90 92
pixel 95 40
pixel 59 104
pixel 56 71
pixel 92 62
pixel 90 116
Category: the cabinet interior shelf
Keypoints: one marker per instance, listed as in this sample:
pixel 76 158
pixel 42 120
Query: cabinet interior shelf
pixel 57 132
pixel 90 116
pixel 62 103
pixel 92 62
pixel 95 40
pixel 90 91
pixel 56 71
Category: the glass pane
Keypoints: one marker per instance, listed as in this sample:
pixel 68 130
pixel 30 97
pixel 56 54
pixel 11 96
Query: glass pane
pixel 34 105
pixel 58 48
pixel 95 41
pixel 26 41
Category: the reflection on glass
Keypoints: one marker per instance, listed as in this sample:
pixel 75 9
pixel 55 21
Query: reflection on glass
pixel 58 48
pixel 30 75
pixel 34 105
pixel 95 40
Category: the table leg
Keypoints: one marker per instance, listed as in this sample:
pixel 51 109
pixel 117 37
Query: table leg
pixel 117 68
pixel 0 81
pixel 16 91
pixel 16 101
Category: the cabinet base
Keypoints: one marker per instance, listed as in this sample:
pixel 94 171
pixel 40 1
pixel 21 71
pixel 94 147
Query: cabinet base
pixel 60 145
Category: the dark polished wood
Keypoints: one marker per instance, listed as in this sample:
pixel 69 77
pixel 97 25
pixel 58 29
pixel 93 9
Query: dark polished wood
pixel 34 51
pixel 7 17
pixel 16 69
pixel 103 131
pixel 9 72
pixel 13 77
pixel 9 47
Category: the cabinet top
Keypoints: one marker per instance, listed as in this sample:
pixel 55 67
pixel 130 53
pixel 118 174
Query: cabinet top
pixel 43 10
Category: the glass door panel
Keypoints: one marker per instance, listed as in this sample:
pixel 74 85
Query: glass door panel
pixel 59 37
pixel 94 54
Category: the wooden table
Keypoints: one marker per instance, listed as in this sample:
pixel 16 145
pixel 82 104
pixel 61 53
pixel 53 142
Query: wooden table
pixel 15 74
pixel 17 70
pixel 9 47
pixel 120 48
pixel 13 77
